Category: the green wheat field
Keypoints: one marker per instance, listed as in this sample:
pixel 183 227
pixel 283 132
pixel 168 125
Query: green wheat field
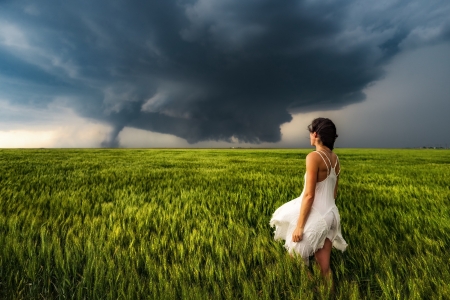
pixel 194 224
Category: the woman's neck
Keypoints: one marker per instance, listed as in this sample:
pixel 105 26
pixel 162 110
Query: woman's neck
pixel 323 148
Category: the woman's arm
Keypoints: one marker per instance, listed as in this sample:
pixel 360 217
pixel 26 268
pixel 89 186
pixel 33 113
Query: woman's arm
pixel 312 168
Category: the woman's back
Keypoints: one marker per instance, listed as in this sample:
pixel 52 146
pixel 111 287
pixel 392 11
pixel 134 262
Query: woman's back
pixel 325 187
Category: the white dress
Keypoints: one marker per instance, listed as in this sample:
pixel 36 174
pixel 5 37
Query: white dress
pixel 323 220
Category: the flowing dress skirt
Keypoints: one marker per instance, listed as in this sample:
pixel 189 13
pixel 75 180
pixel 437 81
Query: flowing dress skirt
pixel 316 230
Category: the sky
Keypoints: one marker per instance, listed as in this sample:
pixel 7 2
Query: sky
pixel 223 73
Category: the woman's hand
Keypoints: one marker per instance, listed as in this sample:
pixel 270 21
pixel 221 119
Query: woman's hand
pixel 297 235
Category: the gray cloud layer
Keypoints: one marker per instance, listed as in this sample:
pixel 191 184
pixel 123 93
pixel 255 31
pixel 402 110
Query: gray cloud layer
pixel 206 70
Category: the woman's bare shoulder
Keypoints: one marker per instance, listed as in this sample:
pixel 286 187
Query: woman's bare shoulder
pixel 312 157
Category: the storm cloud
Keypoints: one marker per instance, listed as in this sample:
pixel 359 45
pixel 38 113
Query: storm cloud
pixel 206 70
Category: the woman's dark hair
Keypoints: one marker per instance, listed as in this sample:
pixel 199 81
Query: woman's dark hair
pixel 326 129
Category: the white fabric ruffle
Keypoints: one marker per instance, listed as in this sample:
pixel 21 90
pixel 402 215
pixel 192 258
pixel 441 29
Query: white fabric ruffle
pixel 315 232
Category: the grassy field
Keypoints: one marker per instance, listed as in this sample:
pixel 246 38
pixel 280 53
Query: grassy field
pixel 194 224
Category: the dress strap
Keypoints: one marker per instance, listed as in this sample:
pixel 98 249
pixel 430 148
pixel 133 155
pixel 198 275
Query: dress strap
pixel 328 170
pixel 337 161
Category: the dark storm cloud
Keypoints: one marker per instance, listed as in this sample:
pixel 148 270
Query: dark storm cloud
pixel 208 70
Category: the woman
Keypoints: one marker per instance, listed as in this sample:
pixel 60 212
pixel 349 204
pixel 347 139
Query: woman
pixel 310 224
